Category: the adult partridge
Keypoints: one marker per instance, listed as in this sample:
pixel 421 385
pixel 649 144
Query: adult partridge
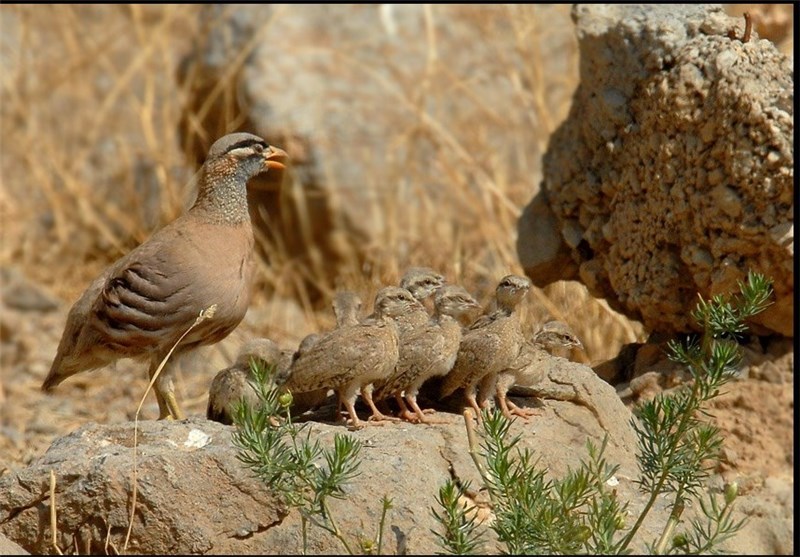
pixel 149 300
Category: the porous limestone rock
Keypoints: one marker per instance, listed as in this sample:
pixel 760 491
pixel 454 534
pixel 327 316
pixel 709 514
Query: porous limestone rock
pixel 673 173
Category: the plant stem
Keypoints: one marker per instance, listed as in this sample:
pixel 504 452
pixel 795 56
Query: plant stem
pixel 334 528
pixel 387 504
pixel 473 445
pixel 304 529
pixel 664 473
pixel 672 522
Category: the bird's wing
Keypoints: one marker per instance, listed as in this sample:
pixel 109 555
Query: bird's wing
pixel 144 302
pixel 474 360
pixel 335 358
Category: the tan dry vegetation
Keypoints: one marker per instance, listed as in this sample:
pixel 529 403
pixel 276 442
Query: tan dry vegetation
pixel 91 161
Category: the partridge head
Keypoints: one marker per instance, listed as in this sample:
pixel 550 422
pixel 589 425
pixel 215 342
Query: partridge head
pixel 422 282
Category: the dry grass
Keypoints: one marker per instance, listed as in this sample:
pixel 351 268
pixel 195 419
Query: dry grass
pixel 91 160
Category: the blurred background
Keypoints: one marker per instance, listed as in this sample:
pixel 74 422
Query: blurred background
pixel 416 134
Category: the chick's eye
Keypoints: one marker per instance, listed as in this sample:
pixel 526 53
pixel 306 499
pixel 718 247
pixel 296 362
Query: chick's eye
pixel 258 148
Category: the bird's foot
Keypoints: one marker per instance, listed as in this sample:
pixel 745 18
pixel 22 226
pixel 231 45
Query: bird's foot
pixel 355 426
pixel 428 421
pixel 523 412
pixel 409 416
pixel 380 417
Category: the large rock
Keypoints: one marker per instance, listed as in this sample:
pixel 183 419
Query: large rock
pixel 7 547
pixel 673 173
pixel 194 495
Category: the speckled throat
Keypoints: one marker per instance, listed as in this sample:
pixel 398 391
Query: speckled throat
pixel 223 199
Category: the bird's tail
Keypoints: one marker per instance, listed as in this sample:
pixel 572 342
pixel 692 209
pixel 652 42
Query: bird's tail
pixel 55 377
pixel 63 368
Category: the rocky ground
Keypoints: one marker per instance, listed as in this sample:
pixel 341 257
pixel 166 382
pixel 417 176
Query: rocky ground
pixel 755 414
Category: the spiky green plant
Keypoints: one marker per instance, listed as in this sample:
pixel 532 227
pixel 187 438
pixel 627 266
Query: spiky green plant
pixel 677 450
pixel 284 457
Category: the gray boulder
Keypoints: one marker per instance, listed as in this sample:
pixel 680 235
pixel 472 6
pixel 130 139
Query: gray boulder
pixel 194 496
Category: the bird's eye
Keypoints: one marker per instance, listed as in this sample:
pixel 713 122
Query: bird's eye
pixel 258 148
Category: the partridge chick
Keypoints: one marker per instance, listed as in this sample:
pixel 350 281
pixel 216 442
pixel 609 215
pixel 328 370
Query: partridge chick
pixel 235 383
pixel 421 282
pixel 144 303
pixel 346 307
pixel 490 344
pixel 428 351
pixel 350 359
pixel 527 370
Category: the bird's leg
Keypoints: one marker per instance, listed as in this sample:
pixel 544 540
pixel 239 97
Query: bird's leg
pixel 404 413
pixel 377 416
pixel 355 423
pixel 174 410
pixel 167 404
pixel 347 398
pixel 504 406
pixel 502 385
pixel 470 394
pixel 486 386
pixel 339 403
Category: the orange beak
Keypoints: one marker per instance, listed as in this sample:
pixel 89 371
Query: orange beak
pixel 277 158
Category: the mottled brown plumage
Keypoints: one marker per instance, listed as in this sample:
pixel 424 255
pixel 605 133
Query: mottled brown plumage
pixel 490 344
pixel 235 383
pixel 346 307
pixel 527 370
pixel 141 305
pixel 428 351
pixel 350 359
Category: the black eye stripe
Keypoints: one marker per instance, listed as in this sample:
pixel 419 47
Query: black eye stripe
pixel 246 143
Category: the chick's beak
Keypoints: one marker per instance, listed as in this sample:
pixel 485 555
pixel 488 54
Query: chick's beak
pixel 276 158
